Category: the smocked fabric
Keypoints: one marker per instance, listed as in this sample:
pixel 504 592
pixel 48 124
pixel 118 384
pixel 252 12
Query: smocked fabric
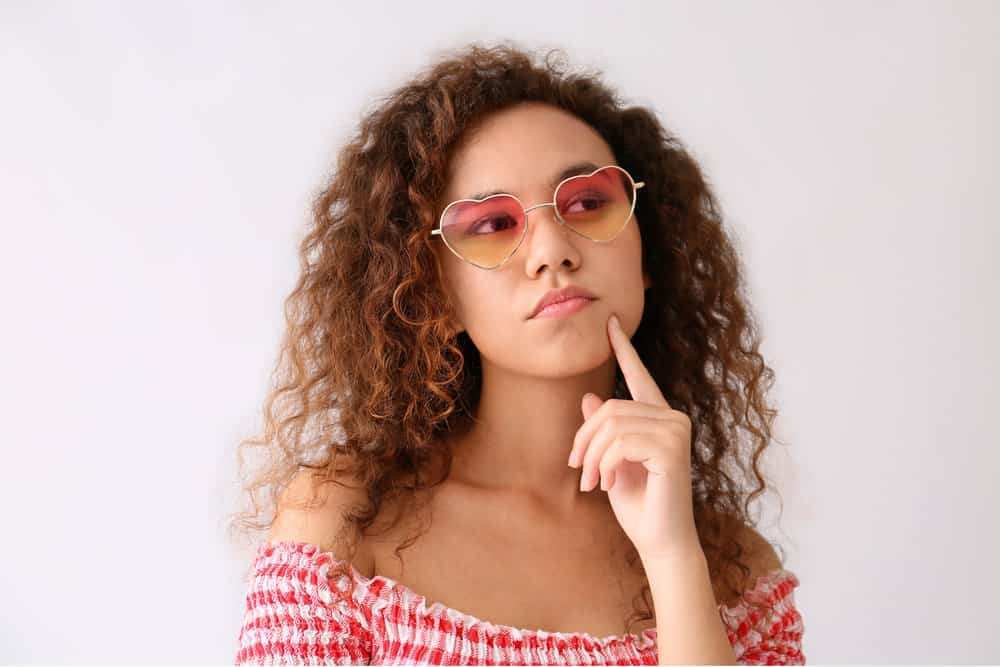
pixel 294 617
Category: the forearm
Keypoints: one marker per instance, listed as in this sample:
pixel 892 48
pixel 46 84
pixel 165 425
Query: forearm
pixel 689 629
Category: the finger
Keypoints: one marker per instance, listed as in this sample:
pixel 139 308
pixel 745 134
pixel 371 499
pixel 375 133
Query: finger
pixel 634 447
pixel 609 481
pixel 640 383
pixel 654 430
pixel 614 409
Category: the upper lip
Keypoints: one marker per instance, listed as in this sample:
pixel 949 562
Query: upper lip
pixel 561 294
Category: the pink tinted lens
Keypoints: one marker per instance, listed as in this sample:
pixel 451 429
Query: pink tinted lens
pixel 599 205
pixel 484 232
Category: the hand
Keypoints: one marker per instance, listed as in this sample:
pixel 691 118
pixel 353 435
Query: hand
pixel 640 451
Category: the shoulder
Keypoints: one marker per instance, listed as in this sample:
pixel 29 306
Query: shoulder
pixel 758 555
pixel 311 510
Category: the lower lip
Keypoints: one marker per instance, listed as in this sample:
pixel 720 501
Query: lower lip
pixel 563 308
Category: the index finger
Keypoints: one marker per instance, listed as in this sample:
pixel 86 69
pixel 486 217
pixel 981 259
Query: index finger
pixel 640 383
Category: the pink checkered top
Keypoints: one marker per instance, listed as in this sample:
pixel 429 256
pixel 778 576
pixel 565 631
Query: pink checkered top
pixel 294 617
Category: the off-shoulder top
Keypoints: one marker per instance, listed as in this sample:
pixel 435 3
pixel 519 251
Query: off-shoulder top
pixel 293 617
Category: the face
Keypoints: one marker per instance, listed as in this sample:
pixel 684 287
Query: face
pixel 520 151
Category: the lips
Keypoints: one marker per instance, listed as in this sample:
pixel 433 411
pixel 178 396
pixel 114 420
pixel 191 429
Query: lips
pixel 561 294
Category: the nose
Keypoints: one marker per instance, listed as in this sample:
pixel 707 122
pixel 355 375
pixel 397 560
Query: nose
pixel 548 241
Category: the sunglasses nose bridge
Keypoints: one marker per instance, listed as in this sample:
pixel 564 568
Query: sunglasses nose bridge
pixel 532 208
pixel 555 211
pixel 548 203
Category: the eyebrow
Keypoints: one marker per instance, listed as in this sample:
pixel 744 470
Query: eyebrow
pixel 573 170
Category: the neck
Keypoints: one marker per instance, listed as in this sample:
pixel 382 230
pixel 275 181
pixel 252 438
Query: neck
pixel 519 440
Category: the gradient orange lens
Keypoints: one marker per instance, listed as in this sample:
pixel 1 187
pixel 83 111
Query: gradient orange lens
pixel 484 232
pixel 597 206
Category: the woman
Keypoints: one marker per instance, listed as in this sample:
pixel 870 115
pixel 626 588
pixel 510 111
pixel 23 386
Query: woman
pixel 517 353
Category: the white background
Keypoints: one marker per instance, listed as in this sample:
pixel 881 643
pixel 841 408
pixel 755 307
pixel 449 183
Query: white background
pixel 156 164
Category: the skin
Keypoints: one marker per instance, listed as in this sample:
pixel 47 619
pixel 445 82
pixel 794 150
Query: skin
pixel 536 371
pixel 534 411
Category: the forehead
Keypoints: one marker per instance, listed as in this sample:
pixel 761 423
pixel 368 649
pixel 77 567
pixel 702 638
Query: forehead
pixel 521 150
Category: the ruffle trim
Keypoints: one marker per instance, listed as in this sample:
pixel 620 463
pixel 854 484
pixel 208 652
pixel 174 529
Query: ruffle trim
pixel 769 585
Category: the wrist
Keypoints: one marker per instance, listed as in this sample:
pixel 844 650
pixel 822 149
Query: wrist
pixel 685 559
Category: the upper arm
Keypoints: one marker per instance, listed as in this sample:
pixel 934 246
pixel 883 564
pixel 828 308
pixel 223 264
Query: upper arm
pixel 773 637
pixel 758 555
pixel 294 614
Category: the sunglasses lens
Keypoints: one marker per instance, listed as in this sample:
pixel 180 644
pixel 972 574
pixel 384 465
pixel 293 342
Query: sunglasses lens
pixel 599 205
pixel 484 232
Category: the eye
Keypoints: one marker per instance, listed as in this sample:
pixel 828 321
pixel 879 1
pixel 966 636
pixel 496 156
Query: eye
pixel 502 222
pixel 588 200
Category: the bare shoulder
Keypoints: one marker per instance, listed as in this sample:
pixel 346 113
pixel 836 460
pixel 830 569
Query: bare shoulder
pixel 311 511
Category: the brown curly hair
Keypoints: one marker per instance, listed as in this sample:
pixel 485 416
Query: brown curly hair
pixel 371 371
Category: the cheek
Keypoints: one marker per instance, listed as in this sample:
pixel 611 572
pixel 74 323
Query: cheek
pixel 631 295
pixel 485 307
pixel 452 278
pixel 478 301
pixel 488 313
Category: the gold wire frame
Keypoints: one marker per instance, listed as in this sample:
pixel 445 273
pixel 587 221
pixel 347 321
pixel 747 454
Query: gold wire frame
pixel 635 192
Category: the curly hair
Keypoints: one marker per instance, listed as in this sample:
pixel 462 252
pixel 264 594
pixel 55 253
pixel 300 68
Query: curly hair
pixel 371 371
